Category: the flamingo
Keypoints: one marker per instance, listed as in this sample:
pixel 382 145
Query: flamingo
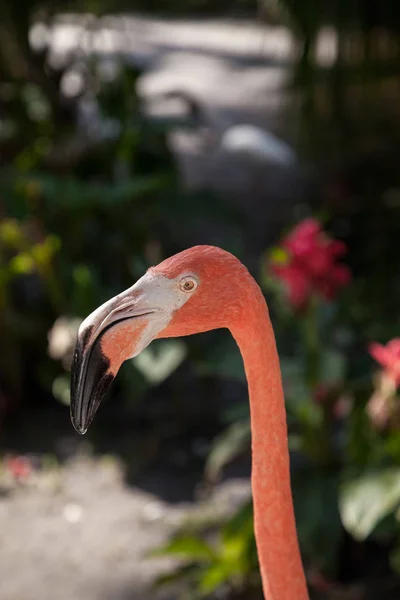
pixel 197 290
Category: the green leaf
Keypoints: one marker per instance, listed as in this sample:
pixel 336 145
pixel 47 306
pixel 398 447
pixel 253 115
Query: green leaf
pixel 234 552
pixel 317 516
pixel 22 263
pixel 11 233
pixel 61 389
pixel 187 547
pixel 241 521
pixel 180 573
pixel 157 362
pixel 279 256
pixel 223 360
pixel 214 577
pixel 395 559
pixel 43 252
pixel 333 365
pixel 294 384
pixel 367 499
pixel 226 447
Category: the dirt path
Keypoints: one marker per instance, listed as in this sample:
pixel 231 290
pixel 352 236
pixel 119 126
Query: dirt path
pixel 78 532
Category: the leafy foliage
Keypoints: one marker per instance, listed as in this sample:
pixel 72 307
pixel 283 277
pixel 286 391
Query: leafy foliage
pixel 367 499
pixel 86 205
pixel 230 444
pixel 227 562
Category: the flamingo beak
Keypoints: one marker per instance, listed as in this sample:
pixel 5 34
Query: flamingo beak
pixel 96 363
pixel 118 330
pixel 90 379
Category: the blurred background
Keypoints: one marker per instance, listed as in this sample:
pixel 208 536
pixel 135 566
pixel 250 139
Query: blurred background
pixel 130 131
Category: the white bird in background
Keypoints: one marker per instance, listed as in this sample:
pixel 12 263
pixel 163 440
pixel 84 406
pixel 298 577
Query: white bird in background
pixel 252 140
pixel 240 139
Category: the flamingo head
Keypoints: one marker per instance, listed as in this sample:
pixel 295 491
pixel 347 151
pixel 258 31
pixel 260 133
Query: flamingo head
pixel 194 291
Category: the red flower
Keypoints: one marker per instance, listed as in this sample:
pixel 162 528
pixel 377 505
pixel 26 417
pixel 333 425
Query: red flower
pixel 389 358
pixel 311 264
pixel 321 393
pixel 19 467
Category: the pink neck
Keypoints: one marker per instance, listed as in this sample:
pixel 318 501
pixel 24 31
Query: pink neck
pixel 275 528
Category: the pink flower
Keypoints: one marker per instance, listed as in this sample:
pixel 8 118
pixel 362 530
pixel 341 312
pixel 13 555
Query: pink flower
pixel 310 265
pixel 389 358
pixel 301 240
pixel 298 286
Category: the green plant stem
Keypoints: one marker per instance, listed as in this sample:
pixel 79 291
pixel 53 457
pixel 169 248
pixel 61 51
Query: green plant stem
pixel 323 452
pixel 53 287
pixel 311 344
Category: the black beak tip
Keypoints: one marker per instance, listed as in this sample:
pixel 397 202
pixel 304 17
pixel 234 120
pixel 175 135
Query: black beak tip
pixel 79 428
pixel 90 379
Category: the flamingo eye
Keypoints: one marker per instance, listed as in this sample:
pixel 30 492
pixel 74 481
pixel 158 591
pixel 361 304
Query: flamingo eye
pixel 188 284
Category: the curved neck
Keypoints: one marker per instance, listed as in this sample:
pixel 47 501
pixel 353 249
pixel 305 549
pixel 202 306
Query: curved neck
pixel 275 528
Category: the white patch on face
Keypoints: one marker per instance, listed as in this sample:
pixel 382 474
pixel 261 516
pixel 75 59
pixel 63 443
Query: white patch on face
pixel 154 295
